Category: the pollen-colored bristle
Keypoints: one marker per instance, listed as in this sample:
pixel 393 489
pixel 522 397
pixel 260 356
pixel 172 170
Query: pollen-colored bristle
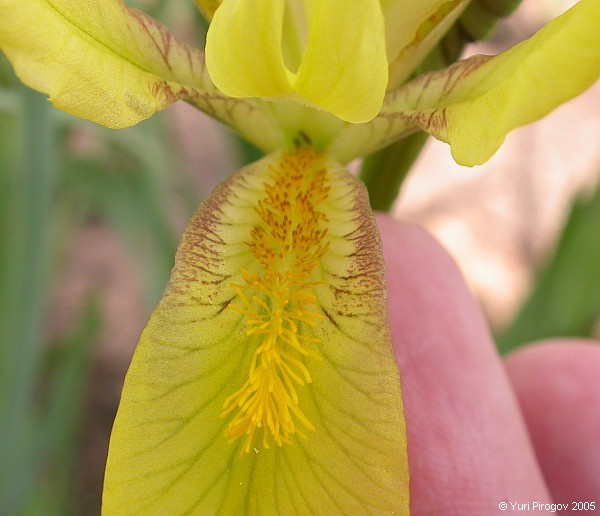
pixel 287 243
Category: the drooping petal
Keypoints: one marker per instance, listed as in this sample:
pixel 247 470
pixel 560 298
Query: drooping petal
pixel 264 382
pixel 96 59
pixel 116 66
pixel 473 104
pixel 344 69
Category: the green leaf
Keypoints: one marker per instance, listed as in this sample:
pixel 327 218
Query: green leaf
pixel 23 294
pixel 59 434
pixel 565 300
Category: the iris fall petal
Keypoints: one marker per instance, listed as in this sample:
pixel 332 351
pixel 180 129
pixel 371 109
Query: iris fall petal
pixel 265 381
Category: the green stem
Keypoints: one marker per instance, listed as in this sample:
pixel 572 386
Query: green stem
pixel 23 293
pixel 384 171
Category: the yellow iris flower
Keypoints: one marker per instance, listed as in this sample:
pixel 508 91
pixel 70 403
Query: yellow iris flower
pixel 328 54
pixel 264 382
pixel 87 55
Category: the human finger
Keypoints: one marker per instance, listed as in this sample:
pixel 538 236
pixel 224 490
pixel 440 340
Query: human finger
pixel 468 446
pixel 559 392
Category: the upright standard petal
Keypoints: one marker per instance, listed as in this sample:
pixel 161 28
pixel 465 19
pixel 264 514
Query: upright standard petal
pixel 265 382
pixel 427 34
pixel 473 104
pixel 343 69
pixel 404 19
pixel 244 53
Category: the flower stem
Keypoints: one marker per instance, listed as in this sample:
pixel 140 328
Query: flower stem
pixel 384 171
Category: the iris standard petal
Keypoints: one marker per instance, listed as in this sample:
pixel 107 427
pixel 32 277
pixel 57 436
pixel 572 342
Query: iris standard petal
pixel 244 49
pixel 404 18
pixel 344 69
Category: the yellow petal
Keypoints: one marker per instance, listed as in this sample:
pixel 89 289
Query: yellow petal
pixel 492 97
pixel 280 268
pixel 431 29
pixel 244 49
pixel 116 66
pixel 342 70
pixel 473 104
pixel 404 19
pixel 98 60
pixel 344 67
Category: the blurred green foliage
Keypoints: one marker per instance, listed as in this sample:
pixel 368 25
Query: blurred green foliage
pixel 59 175
pixel 565 299
pixel 48 193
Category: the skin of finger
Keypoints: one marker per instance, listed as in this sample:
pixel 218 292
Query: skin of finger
pixel 467 443
pixel 558 387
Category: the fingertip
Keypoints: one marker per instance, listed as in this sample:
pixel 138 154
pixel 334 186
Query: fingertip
pixel 468 447
pixel 557 385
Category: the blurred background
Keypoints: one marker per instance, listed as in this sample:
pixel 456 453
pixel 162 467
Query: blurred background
pixel 90 219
